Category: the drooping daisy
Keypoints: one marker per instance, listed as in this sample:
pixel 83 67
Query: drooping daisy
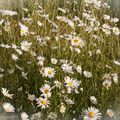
pixel 14 57
pixel 110 113
pixel 54 61
pixel 8 107
pixel 115 78
pixel 92 114
pixel 8 12
pixel 24 116
pixel 57 84
pixel 46 90
pixel 23 29
pixel 107 83
pixel 49 72
pixel 76 41
pixel 116 30
pixel 5 92
pixel 25 46
pixel 93 99
pixel 62 108
pixel 79 69
pixel 43 102
pixel 31 97
pixel 67 68
pixel 87 74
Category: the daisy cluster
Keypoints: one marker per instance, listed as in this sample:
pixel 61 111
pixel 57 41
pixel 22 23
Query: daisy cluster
pixel 60 63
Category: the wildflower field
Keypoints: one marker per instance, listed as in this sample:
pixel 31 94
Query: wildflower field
pixel 59 60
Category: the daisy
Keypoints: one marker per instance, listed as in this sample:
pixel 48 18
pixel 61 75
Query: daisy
pixel 23 29
pixel 5 92
pixel 43 102
pixel 115 20
pixel 24 116
pixel 46 90
pixel 67 68
pixel 54 61
pixel 93 99
pixel 116 62
pixel 14 57
pixel 87 74
pixel 25 46
pixel 31 97
pixel 116 30
pixel 8 107
pixel 49 72
pixel 110 113
pixel 40 60
pixel 76 41
pixel 62 108
pixel 107 83
pixel 8 12
pixel 57 84
pixel 92 114
pixel 68 82
pixel 79 69
pixel 115 78
pixel 71 84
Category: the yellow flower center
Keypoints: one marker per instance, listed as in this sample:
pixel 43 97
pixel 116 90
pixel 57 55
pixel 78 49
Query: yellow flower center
pixel 22 30
pixel 76 41
pixel 69 84
pixel 49 71
pixel 43 102
pixel 91 114
pixel 46 91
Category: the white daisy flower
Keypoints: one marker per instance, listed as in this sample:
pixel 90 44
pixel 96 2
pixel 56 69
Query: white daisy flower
pixel 23 29
pixel 116 30
pixel 49 72
pixel 115 78
pixel 67 68
pixel 115 20
pixel 106 17
pixel 71 84
pixel 76 41
pixel 25 46
pixel 43 102
pixel 116 62
pixel 8 107
pixel 46 90
pixel 54 61
pixel 93 99
pixel 1 75
pixel 107 83
pixel 31 97
pixel 62 108
pixel 8 12
pixel 87 74
pixel 39 23
pixel 79 69
pixel 57 84
pixel 14 57
pixel 5 92
pixel 110 113
pixel 92 114
pixel 24 116
pixel 41 60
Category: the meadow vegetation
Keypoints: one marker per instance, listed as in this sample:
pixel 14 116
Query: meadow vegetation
pixel 60 60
